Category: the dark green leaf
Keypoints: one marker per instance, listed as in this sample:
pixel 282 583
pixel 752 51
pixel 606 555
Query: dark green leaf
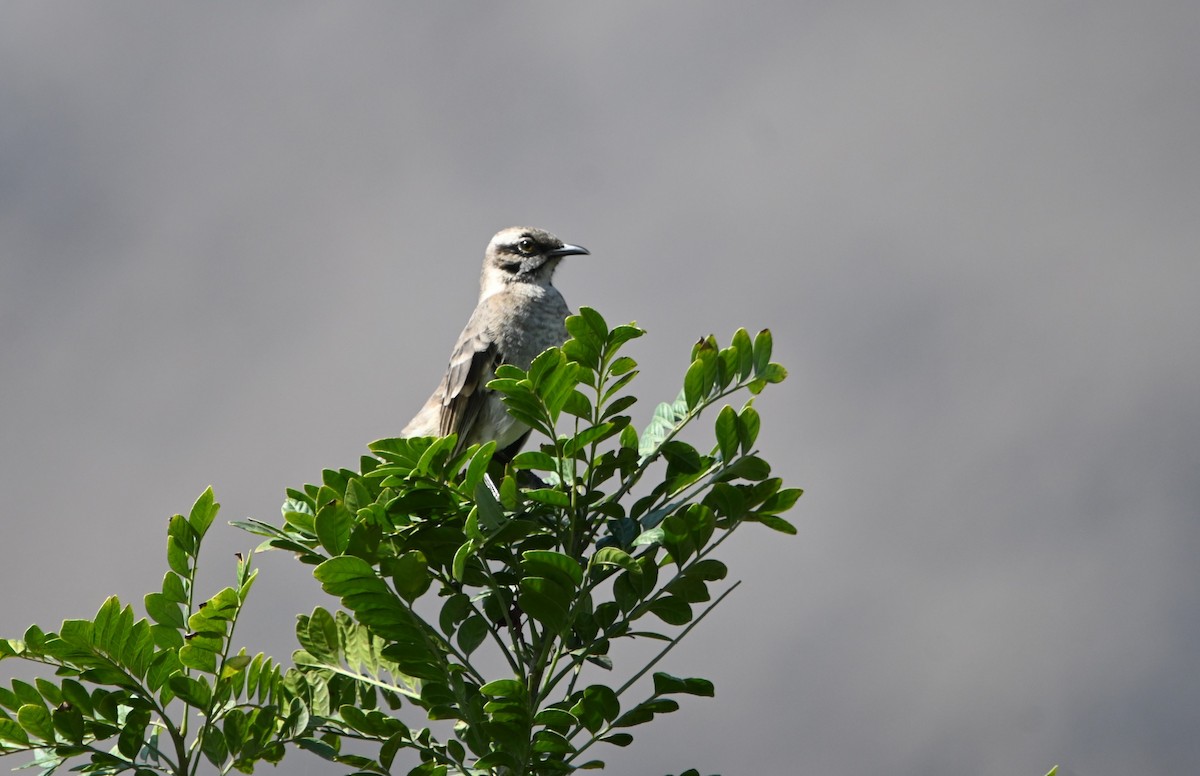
pixel 472 633
pixel 747 426
pixel 133 732
pixel 749 467
pixel 454 611
pixel 545 601
pixel 709 569
pixel 490 514
pixel 68 721
pixel 551 742
pixel 556 719
pixel 671 610
pixel 666 684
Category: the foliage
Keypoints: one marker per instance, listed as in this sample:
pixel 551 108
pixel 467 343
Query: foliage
pixel 125 688
pixel 541 567
pixel 483 602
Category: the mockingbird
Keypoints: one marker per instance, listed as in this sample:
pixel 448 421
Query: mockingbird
pixel 519 314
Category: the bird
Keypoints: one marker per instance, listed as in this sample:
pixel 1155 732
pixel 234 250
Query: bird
pixel 519 315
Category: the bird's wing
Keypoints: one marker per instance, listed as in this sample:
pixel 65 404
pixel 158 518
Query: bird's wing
pixel 472 365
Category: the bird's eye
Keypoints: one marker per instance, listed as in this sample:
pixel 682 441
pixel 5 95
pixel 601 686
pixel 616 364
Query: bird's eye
pixel 526 246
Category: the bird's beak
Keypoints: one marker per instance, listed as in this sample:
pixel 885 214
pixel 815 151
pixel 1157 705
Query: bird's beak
pixel 569 250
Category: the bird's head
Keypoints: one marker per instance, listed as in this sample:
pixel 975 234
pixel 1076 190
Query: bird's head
pixel 523 254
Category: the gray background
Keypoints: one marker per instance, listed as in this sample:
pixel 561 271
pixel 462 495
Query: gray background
pixel 236 244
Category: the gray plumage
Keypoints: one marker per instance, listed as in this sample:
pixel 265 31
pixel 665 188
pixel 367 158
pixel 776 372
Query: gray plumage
pixel 519 314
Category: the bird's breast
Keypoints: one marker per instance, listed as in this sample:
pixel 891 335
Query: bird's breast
pixel 535 323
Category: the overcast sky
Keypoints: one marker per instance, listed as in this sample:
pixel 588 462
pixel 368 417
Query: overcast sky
pixel 237 243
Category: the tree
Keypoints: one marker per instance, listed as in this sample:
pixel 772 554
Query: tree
pixel 483 603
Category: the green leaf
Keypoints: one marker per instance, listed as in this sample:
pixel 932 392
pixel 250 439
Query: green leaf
pixel 133 732
pixel 556 719
pixel 588 335
pixel 204 511
pixel 478 466
pixel 727 433
pixel 548 741
pixel 747 427
pixel 777 523
pixel 614 556
pixel 745 351
pixel 200 657
pixel 664 421
pixel 749 467
pixel 550 496
pixel 458 568
pixel 535 460
pixel 68 721
pixel 622 334
pixel 618 739
pixel 163 610
pixel 619 404
pixel 504 688
pixel 666 684
pixel 12 732
pixel 774 373
pixel 333 524
pixel 173 588
pixel 693 384
pixel 234 664
pixel 590 436
pixel 671 610
pixel 177 558
pixel 472 633
pixel 781 501
pixel 762 351
pixel 546 563
pixel 596 705
pixel 491 514
pixel 194 692
pixel 454 611
pixel 214 746
pixel 621 365
pixel 709 569
pixel 545 601
pixel 410 575
pixel 35 719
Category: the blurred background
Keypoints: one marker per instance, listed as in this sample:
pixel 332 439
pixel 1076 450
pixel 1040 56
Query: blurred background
pixel 237 243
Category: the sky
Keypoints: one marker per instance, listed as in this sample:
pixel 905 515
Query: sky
pixel 237 243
